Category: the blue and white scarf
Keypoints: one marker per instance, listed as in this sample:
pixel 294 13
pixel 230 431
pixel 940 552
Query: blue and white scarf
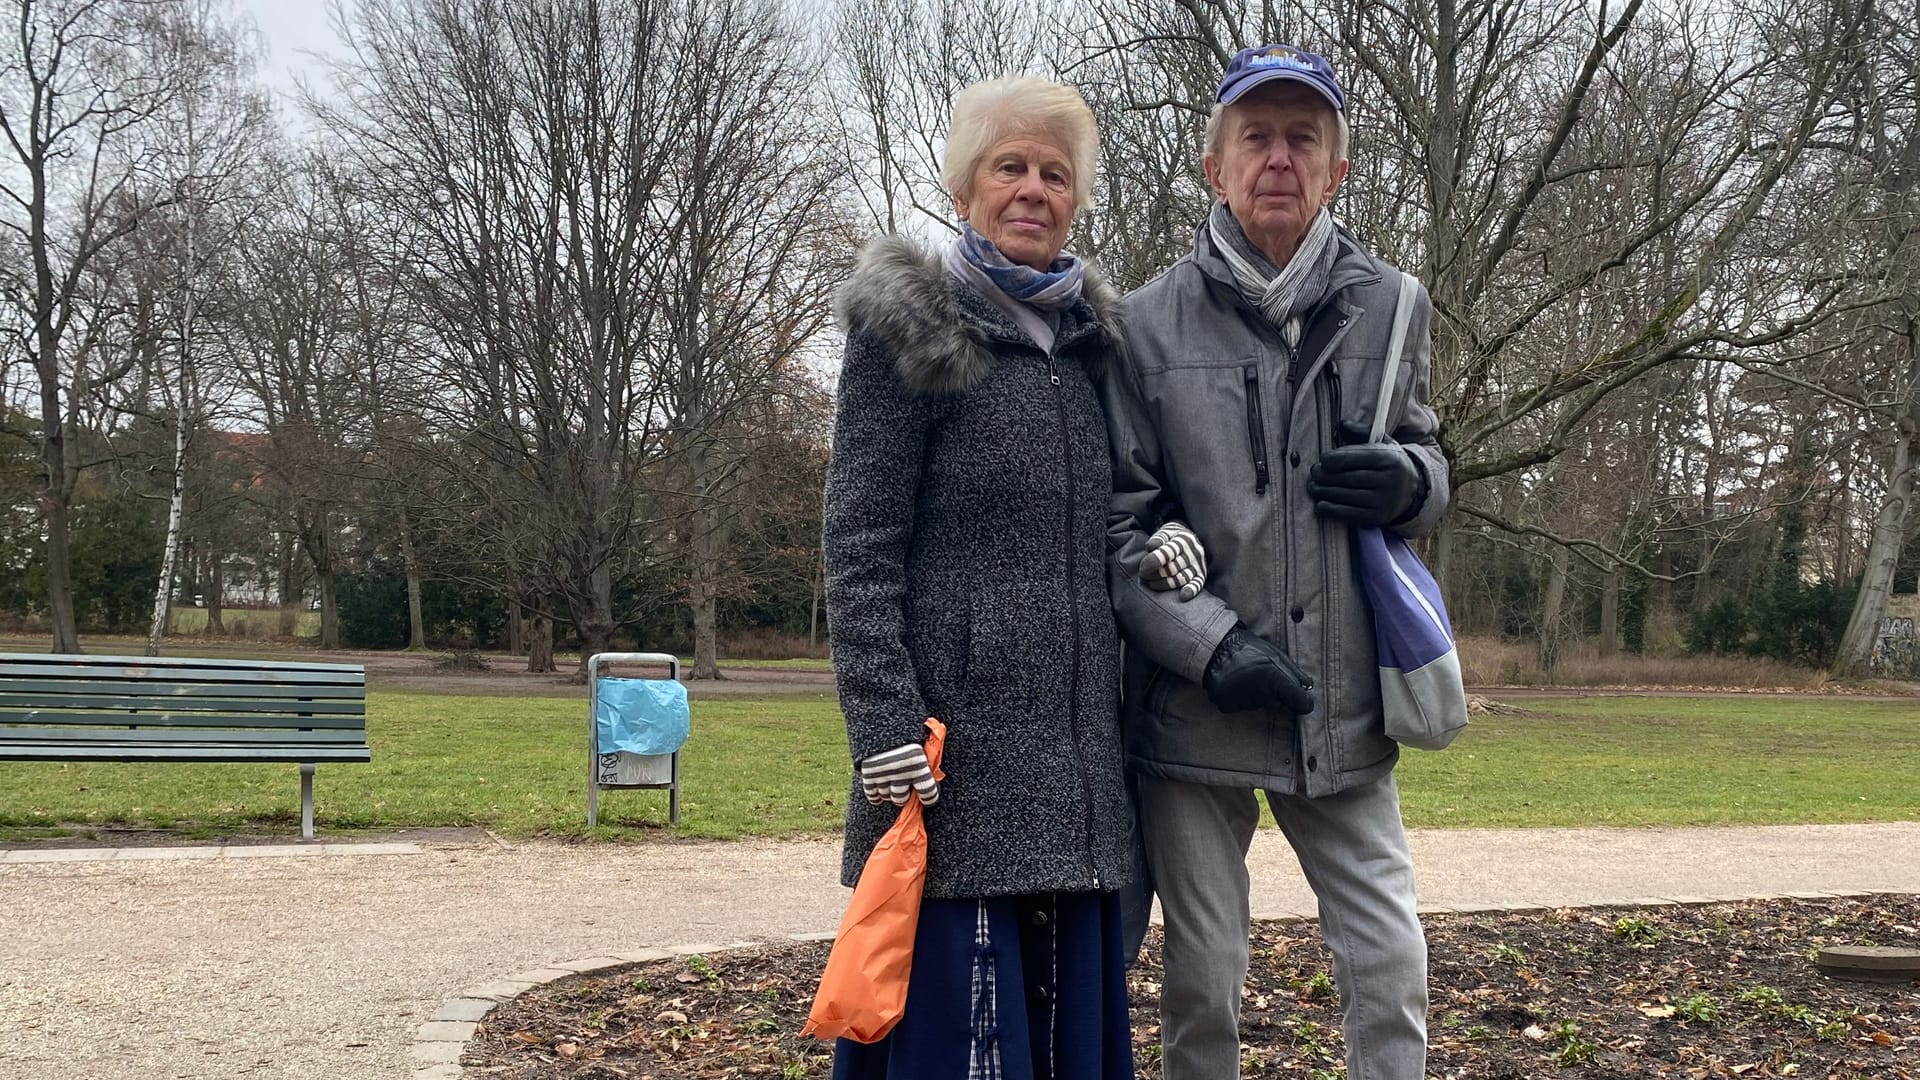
pixel 1054 289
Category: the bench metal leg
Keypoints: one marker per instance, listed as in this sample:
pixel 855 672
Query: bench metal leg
pixel 306 801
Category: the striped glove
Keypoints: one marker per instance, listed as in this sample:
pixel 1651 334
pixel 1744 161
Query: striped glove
pixel 1174 560
pixel 888 776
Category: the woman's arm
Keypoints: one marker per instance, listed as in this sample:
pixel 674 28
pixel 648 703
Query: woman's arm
pixel 873 480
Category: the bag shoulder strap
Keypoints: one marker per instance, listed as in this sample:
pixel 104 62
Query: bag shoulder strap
pixel 1396 345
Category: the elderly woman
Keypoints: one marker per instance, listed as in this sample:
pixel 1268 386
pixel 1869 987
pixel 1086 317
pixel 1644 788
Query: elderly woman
pixel 966 514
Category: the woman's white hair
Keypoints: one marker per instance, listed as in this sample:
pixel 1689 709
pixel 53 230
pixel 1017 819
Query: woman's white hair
pixel 988 112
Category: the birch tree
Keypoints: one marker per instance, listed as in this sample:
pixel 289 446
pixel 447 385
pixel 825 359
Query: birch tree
pixel 213 130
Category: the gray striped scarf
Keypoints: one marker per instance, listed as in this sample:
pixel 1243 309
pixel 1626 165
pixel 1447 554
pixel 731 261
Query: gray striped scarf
pixel 1282 294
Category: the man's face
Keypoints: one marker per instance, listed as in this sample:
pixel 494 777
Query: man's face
pixel 1275 167
pixel 1022 199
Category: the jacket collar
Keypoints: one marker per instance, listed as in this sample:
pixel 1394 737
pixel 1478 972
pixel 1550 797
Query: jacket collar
pixel 944 335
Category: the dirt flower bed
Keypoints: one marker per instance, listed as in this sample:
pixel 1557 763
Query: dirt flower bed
pixel 1688 992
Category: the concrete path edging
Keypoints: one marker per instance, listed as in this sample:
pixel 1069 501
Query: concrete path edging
pixel 310 849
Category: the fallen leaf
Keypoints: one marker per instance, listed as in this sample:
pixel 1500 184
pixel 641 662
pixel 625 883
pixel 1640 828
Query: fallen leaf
pixel 566 1049
pixel 1657 1012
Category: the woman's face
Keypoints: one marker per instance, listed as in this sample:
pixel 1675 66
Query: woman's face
pixel 1022 199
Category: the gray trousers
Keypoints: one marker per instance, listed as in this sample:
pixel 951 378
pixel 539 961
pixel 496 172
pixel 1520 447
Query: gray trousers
pixel 1353 850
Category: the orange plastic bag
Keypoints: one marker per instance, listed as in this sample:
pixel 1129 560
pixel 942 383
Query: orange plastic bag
pixel 863 991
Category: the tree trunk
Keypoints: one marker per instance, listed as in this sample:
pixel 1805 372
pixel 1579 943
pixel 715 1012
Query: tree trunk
pixel 1883 554
pixel 540 642
pixel 593 618
pixel 416 625
pixel 813 612
pixel 1610 613
pixel 316 535
pixel 1547 637
pixel 59 582
pixel 516 628
pixel 1440 564
pixel 706 647
pixel 163 590
pixel 190 584
pixel 289 584
pixel 329 607
pixel 703 593
pixel 216 584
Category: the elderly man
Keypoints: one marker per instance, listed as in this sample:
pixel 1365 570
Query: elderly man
pixel 1243 408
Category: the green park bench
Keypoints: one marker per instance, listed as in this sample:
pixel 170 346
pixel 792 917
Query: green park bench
pixel 142 708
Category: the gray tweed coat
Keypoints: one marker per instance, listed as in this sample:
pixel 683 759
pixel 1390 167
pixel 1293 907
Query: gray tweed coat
pixel 966 510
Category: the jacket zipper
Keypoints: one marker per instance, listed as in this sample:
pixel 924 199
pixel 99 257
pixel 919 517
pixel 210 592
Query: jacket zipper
pixel 1073 615
pixel 1297 363
pixel 1256 429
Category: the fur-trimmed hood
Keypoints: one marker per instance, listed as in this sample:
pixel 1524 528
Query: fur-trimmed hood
pixel 942 342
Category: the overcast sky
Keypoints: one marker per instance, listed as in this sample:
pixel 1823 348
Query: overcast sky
pixel 292 28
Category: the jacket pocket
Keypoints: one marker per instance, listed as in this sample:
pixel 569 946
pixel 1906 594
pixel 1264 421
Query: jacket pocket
pixel 1256 428
pixel 1159 689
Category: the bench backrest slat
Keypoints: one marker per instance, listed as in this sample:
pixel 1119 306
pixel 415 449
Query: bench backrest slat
pixel 108 688
pixel 135 701
pixel 78 735
pixel 139 673
pixel 49 718
pixel 238 667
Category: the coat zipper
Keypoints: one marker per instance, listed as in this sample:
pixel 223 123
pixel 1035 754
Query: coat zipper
pixel 1256 429
pixel 1073 614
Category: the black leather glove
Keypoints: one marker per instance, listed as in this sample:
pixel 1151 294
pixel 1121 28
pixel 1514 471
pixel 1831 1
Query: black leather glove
pixel 1249 672
pixel 1368 484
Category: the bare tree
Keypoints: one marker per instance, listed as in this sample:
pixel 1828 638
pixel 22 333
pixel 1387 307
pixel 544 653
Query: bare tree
pixel 211 132
pixel 762 244
pixel 77 86
pixel 301 368
pixel 1884 146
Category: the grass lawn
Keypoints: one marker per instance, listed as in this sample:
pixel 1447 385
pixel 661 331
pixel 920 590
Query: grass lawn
pixel 241 622
pixel 1673 761
pixel 797 663
pixel 777 766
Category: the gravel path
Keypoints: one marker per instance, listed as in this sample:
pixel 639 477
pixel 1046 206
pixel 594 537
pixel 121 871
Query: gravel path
pixel 309 967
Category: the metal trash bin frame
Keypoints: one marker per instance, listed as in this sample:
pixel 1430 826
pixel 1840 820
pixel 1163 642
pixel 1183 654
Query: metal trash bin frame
pixel 593 735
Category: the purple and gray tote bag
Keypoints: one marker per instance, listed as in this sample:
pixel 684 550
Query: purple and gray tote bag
pixel 1421 690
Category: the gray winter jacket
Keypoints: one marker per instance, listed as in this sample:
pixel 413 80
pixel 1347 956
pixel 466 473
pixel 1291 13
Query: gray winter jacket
pixel 966 512
pixel 1214 416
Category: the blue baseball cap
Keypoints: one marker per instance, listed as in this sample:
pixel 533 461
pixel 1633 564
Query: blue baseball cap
pixel 1267 63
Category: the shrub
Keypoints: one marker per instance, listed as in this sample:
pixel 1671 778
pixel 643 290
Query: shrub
pixel 1719 627
pixel 373 609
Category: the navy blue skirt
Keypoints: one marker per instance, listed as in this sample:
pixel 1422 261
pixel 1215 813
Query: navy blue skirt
pixel 1008 988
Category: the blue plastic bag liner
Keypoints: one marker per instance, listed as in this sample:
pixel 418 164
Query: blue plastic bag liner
pixel 640 716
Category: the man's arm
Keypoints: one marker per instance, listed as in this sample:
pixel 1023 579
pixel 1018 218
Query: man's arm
pixel 1178 634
